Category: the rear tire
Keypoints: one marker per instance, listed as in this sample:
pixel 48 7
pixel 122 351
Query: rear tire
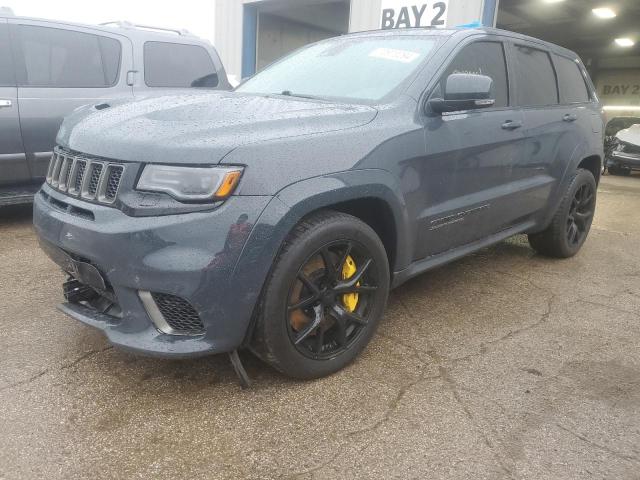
pixel 332 326
pixel 571 223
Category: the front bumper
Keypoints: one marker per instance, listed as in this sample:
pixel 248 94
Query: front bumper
pixel 624 159
pixel 194 256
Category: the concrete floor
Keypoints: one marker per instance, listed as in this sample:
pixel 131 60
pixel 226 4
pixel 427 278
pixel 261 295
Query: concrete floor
pixel 502 365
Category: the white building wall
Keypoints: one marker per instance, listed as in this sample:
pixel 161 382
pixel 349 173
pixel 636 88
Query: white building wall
pixel 364 16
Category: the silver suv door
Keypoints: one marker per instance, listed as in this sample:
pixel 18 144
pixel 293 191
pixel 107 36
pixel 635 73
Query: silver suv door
pixel 59 68
pixel 13 164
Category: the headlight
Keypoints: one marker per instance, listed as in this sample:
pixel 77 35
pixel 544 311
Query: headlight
pixel 190 183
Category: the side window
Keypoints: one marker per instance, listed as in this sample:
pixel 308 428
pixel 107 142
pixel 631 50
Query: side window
pixel 535 77
pixel 573 88
pixel 6 62
pixel 484 58
pixel 63 58
pixel 178 65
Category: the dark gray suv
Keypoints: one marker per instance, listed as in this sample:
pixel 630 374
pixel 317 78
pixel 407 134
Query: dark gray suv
pixel 277 217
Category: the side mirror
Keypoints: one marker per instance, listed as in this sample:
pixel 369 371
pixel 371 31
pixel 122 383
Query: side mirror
pixel 464 91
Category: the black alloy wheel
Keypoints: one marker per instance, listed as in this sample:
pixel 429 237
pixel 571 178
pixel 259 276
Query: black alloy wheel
pixel 328 301
pixel 580 214
pixel 324 298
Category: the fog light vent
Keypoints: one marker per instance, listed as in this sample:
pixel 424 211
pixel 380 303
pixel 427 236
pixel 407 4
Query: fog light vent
pixel 172 314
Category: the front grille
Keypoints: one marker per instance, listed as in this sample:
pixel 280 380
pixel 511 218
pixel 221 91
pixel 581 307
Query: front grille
pixel 85 177
pixel 178 314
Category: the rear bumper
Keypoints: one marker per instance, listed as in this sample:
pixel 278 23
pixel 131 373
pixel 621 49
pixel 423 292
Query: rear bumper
pixel 193 256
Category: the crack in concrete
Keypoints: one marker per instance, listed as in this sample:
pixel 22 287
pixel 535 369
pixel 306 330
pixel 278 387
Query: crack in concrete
pixel 65 366
pixel 622 456
pixel 453 387
pixel 543 319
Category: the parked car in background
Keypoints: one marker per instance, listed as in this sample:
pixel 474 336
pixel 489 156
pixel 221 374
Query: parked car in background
pixel 278 216
pixel 625 154
pixel 622 154
pixel 49 68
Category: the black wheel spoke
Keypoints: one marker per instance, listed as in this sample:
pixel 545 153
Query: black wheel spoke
pixel 343 260
pixel 356 289
pixel 319 317
pixel 582 218
pixel 303 303
pixel 319 341
pixel 329 267
pixel 308 283
pixel 347 317
pixel 347 285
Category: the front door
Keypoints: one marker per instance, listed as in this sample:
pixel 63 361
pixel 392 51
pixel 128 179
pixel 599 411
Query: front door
pixel 466 175
pixel 13 164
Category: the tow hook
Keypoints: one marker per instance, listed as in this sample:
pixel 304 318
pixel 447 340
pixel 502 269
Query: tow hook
pixel 76 292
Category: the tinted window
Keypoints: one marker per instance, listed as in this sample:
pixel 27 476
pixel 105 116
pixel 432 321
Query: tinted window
pixel 573 88
pixel 535 77
pixel 177 65
pixel 357 68
pixel 484 58
pixel 64 58
pixel 6 63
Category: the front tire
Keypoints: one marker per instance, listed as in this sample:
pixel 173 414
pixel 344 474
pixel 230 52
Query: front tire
pixel 325 296
pixel 572 221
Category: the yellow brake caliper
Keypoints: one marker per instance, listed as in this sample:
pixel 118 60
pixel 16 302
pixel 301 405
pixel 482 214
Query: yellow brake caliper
pixel 350 300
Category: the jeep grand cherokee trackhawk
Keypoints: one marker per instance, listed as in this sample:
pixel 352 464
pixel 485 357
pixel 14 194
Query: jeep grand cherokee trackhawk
pixel 278 216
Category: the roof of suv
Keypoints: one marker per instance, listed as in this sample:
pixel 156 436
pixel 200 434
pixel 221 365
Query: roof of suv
pixel 464 32
pixel 127 29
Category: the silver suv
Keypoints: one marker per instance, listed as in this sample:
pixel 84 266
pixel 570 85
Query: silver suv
pixel 47 69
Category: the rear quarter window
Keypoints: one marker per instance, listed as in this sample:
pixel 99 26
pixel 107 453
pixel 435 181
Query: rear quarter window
pixel 178 65
pixel 573 88
pixel 535 77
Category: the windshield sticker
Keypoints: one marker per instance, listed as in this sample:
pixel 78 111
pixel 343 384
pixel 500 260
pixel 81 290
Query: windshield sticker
pixel 403 56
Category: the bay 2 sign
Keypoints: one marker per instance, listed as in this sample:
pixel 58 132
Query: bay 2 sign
pixel 407 13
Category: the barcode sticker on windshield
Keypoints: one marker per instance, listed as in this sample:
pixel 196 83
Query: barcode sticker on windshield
pixel 403 56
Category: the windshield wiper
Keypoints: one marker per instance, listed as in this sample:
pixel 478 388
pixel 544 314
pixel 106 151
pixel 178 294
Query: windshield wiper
pixel 289 93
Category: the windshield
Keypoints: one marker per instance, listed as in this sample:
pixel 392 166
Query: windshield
pixel 360 68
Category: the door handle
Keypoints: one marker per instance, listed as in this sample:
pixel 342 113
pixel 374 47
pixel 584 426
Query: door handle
pixel 5 103
pixel 511 125
pixel 570 117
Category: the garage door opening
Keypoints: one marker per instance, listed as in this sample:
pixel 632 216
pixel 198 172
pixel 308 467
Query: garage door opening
pixel 605 33
pixel 284 26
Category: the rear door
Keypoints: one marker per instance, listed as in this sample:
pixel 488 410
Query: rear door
pixel 545 153
pixel 577 111
pixel 59 68
pixel 13 164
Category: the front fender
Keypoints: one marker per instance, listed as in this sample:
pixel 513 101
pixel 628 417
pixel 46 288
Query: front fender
pixel 298 200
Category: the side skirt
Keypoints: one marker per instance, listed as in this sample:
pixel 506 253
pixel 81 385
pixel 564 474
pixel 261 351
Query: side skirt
pixel 434 261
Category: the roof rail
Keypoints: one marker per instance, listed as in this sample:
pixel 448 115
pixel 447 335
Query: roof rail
pixel 7 12
pixel 125 24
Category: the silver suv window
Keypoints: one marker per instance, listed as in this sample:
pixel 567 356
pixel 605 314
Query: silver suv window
pixel 55 57
pixel 178 65
pixel 6 64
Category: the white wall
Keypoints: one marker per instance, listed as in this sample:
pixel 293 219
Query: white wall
pixel 365 15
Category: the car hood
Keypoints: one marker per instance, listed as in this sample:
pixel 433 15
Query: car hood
pixel 630 135
pixel 199 128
